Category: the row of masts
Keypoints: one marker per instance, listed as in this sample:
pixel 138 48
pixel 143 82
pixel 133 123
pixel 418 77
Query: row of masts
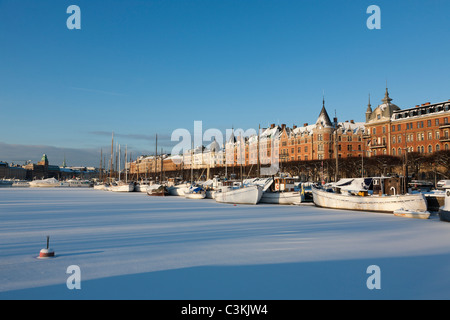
pixel 117 155
pixel 114 171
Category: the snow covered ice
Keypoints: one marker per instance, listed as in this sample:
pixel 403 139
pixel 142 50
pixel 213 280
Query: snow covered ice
pixel 132 246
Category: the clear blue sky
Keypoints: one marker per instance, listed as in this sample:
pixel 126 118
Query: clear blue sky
pixel 142 67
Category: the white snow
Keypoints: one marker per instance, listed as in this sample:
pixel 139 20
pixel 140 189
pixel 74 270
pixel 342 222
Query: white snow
pixel 132 246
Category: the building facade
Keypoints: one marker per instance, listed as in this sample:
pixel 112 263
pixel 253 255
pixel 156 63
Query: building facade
pixel 393 131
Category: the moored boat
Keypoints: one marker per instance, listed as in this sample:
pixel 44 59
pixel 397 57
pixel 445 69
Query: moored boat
pixel 195 192
pixel 46 183
pixel 345 198
pixel 281 191
pixel 179 189
pixel 121 187
pixel 6 183
pixel 444 211
pixel 157 191
pixel 244 195
pixel 411 214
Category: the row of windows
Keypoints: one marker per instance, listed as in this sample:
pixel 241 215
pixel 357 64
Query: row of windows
pixel 418 112
pixel 420 149
pixel 419 124
pixel 421 136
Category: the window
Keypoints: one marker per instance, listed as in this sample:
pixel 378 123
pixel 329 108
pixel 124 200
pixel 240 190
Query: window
pixel 393 128
pixel 446 147
pixel 384 129
pixel 374 131
pixel 437 134
pixel 319 137
pixel 393 151
pixel 430 135
pixel 398 127
pixel 399 151
pixel 399 138
pixel 445 120
pixel 437 122
pixel 438 147
pixel 393 139
pixel 430 149
pixel 429 123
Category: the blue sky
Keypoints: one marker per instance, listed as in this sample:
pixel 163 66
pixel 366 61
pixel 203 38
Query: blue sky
pixel 144 67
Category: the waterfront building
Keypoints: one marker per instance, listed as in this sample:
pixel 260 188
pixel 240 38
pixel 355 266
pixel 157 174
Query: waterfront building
pixel 423 129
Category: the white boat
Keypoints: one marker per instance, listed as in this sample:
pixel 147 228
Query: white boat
pixel 75 183
pixel 348 197
pixel 20 183
pixel 46 183
pixel 179 189
pixel 244 195
pixel 122 187
pixel 141 187
pixel 195 192
pixel 411 214
pixel 444 211
pixel 101 186
pixel 281 191
pixel 157 190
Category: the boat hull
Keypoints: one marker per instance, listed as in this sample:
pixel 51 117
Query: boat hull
pixel 122 188
pixel 412 214
pixel 281 197
pixel 246 195
pixel 178 190
pixel 200 195
pixel 388 204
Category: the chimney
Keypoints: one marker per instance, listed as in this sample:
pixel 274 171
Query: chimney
pixel 294 126
pixel 428 103
pixel 305 124
pixel 352 121
pixel 272 126
pixel 417 106
pixel 283 126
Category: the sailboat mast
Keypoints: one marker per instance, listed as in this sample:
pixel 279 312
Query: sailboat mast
pixel 101 158
pixel 126 171
pixel 111 162
pixel 156 154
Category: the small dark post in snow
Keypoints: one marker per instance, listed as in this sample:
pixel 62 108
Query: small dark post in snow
pixel 48 238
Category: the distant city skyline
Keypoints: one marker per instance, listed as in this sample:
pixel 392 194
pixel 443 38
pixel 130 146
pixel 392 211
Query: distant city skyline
pixel 141 68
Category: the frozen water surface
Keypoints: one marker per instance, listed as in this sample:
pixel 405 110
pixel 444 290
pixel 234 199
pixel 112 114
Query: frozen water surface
pixel 132 246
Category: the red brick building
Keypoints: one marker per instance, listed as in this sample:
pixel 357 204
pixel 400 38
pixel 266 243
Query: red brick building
pixel 392 131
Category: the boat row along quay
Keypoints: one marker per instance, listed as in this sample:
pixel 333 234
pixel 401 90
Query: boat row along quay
pixel 369 194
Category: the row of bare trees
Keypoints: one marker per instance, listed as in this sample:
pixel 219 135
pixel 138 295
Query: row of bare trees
pixel 431 167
